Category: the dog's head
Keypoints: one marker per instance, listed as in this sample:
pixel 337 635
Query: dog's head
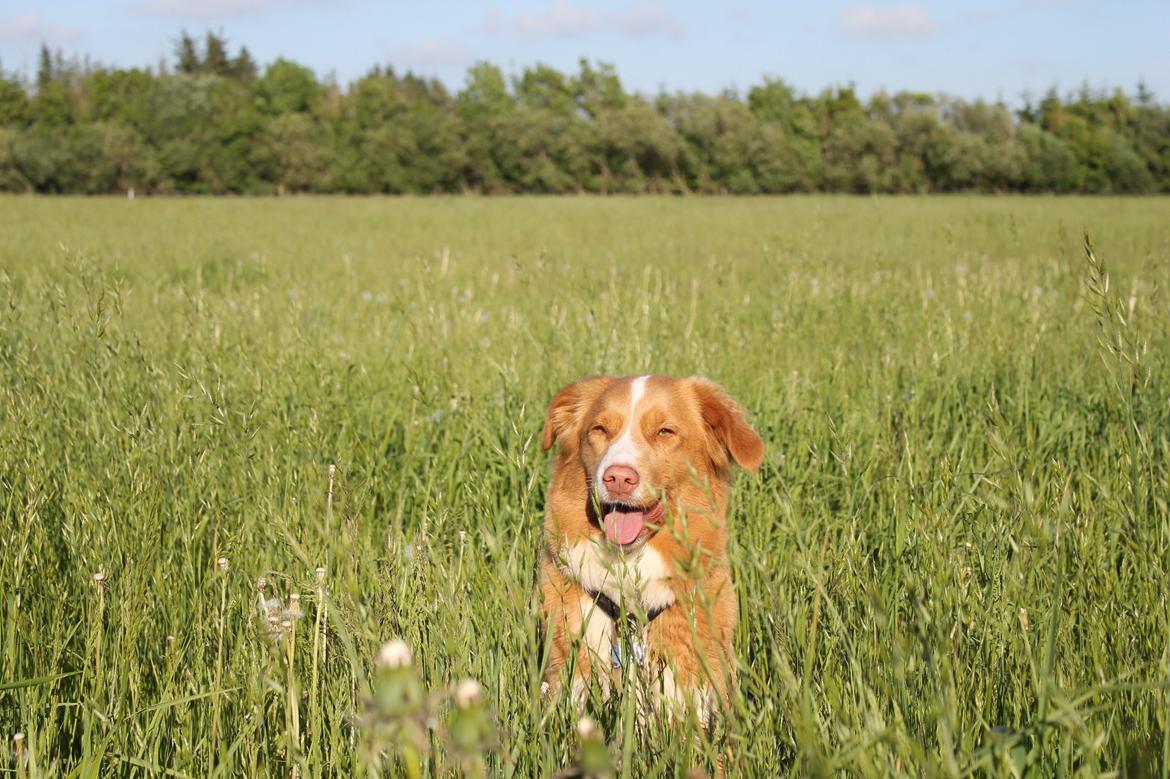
pixel 648 444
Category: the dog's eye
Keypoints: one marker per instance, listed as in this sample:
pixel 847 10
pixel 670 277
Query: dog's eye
pixel 665 432
pixel 599 429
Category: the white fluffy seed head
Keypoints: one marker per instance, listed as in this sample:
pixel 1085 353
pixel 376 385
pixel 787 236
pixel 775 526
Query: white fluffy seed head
pixel 588 728
pixel 99 577
pixel 320 574
pixel 261 583
pixel 222 563
pixel 468 693
pixel 394 654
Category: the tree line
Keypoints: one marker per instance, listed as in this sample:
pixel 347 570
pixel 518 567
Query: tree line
pixel 214 122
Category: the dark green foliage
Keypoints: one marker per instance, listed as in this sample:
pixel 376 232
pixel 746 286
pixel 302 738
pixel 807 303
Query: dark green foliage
pixel 215 56
pixel 244 67
pixel 13 102
pixel 285 88
pixel 187 55
pixel 221 124
pixel 45 74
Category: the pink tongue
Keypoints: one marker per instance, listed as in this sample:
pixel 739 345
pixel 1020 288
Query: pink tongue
pixel 623 527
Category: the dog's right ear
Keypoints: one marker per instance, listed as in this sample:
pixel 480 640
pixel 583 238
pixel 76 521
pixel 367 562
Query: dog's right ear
pixel 567 408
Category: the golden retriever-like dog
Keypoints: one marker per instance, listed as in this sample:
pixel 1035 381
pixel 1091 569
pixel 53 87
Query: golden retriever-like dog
pixel 635 573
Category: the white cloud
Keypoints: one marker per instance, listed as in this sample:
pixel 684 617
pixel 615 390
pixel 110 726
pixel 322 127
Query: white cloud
pixel 430 53
pixel 29 27
pixel 215 9
pixel 900 20
pixel 647 19
pixel 563 18
pixel 740 13
pixel 566 19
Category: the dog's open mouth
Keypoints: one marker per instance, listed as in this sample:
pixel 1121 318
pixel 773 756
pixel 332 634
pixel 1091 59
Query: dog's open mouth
pixel 624 523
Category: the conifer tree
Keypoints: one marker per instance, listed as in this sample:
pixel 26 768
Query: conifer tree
pixel 187 55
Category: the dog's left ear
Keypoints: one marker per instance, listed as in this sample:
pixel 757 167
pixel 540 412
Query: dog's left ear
pixel 567 407
pixel 727 426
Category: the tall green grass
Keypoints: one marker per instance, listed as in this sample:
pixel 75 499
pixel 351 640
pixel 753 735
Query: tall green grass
pixel 953 562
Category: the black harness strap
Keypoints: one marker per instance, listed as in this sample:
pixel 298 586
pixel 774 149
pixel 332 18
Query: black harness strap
pixel 614 612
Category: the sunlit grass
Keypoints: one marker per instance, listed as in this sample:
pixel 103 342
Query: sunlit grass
pixel 953 561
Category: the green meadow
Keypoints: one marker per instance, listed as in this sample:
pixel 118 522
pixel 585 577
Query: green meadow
pixel 954 561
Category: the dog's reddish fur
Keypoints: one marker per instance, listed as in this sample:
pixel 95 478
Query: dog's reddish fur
pixel 687 433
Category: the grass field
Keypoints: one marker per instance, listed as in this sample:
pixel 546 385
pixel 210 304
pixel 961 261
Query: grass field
pixel 954 560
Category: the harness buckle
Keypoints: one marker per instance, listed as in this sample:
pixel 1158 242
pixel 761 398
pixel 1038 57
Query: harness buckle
pixel 637 651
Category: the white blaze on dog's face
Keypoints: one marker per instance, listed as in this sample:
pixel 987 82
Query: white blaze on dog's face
pixel 629 503
pixel 642 440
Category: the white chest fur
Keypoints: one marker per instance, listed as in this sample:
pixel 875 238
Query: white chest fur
pixel 639 577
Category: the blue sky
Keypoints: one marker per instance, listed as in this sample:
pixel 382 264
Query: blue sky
pixel 992 49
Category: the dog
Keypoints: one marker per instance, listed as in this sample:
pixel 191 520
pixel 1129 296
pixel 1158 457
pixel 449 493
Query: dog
pixel 635 573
